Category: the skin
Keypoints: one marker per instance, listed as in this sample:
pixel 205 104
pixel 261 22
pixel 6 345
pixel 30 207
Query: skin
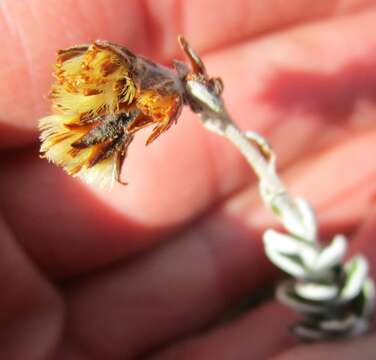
pixel 148 269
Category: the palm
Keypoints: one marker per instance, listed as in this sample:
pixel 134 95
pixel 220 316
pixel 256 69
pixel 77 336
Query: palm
pixel 87 274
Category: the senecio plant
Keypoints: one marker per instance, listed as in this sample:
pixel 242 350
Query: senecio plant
pixel 104 94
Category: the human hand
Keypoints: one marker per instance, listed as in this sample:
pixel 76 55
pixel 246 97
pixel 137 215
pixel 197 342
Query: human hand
pixel 89 274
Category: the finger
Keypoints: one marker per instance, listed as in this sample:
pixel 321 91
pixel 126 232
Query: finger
pixel 30 309
pixel 263 332
pixel 144 26
pixel 68 228
pixel 88 233
pixel 295 98
pixel 245 19
pixel 259 334
pixel 167 293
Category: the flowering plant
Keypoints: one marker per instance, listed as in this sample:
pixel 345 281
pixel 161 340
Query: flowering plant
pixel 104 94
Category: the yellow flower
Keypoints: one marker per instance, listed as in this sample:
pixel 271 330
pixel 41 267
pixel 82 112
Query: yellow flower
pixel 102 95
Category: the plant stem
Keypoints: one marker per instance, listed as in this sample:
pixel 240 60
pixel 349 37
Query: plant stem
pixel 321 283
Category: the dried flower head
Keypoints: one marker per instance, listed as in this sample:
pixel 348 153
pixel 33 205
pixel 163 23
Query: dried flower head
pixel 103 94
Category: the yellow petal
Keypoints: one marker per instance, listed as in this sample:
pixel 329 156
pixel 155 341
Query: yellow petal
pixel 56 146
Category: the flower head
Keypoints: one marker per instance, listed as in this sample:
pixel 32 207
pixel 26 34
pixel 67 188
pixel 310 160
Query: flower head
pixel 102 95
